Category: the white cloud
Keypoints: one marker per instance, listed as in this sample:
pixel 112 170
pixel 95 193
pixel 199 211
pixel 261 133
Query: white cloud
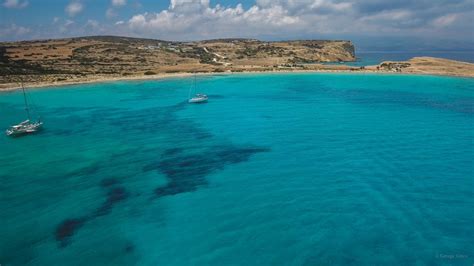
pixel 66 26
pixel 92 23
pixel 191 19
pixel 68 23
pixel 111 13
pixel 289 4
pixel 74 8
pixel 179 22
pixel 307 6
pixel 391 21
pixel 15 4
pixel 175 4
pixel 13 30
pixel 332 6
pixel 119 2
pixel 445 20
pixel 393 15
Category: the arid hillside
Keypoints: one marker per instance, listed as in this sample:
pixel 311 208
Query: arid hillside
pixel 56 60
pixel 429 65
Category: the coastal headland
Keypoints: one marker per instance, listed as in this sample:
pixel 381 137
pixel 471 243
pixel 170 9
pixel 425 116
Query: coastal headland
pixel 107 58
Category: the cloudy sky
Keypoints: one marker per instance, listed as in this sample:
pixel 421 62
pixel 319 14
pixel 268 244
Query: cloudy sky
pixel 373 24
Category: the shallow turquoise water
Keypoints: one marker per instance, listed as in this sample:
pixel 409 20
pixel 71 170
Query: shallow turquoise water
pixel 294 169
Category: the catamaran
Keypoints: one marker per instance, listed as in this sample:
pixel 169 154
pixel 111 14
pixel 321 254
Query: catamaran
pixel 198 98
pixel 28 126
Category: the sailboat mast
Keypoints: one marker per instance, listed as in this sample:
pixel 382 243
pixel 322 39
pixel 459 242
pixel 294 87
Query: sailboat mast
pixel 26 101
pixel 194 81
pixel 193 88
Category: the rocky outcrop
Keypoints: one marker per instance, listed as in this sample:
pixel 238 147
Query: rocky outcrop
pixel 393 66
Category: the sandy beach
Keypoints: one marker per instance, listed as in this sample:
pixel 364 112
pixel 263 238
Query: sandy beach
pixel 417 66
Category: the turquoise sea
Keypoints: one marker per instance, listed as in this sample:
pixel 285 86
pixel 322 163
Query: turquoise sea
pixel 276 169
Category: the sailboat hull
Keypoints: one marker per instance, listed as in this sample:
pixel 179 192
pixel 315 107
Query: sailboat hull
pixel 198 100
pixel 23 129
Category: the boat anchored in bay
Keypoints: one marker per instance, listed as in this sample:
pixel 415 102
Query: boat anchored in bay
pixel 28 126
pixel 198 98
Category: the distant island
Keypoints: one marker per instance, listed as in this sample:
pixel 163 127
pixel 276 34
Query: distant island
pixel 99 58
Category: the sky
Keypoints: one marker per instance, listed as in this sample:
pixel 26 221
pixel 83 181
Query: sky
pixel 372 24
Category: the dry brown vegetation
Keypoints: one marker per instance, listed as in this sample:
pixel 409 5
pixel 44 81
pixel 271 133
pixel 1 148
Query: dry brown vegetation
pixel 439 66
pixel 427 65
pixel 69 59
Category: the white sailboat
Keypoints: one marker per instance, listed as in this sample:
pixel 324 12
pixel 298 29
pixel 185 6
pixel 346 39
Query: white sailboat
pixel 197 98
pixel 28 126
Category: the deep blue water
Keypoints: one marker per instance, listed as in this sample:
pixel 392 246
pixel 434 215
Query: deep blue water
pixel 277 169
pixel 367 58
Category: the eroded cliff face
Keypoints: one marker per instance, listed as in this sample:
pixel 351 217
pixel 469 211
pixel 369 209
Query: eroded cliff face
pixel 110 55
pixel 349 47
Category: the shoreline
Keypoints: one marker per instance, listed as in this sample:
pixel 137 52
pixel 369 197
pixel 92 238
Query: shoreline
pixel 366 70
pixel 97 79
pixel 189 74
